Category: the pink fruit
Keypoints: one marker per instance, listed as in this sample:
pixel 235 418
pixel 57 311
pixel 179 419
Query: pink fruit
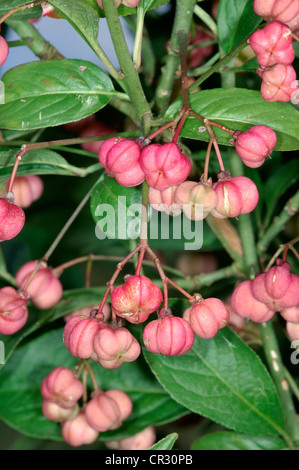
pixel 78 432
pixel 277 280
pixel 136 299
pixel 206 317
pixel 4 50
pixel 45 289
pixel 249 193
pixel 27 189
pixel 293 330
pixel 254 145
pixel 13 311
pixel 279 83
pixel 291 314
pixel 12 219
pixel 106 147
pixel 91 130
pixel 85 311
pixel 245 304
pixel 229 199
pixel 164 165
pixel 115 346
pixel 107 410
pixel 163 201
pixel 273 44
pixel 56 413
pixel 77 126
pixel 62 387
pixel 132 177
pixel 130 3
pixel 169 335
pixel 79 333
pixel 280 10
pixel 196 199
pixel 141 441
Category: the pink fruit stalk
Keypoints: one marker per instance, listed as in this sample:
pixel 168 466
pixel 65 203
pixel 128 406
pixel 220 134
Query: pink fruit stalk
pixel 107 410
pixel 229 199
pixel 280 10
pixel 79 333
pixel 136 299
pixel 163 201
pixel 113 347
pixel 27 189
pixel 196 199
pixel 164 165
pixel 169 335
pixel 62 387
pixel 78 432
pixel 206 317
pixel 45 289
pixel 13 311
pixel 4 50
pixel 56 413
pixel 244 303
pixel 254 145
pixel 279 83
pixel 12 219
pixel 273 44
pixel 141 441
pixel 91 130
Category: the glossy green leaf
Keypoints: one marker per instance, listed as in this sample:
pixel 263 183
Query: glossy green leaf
pixel 36 162
pixel 166 443
pixel 239 109
pixel 220 375
pixel 236 441
pixel 8 5
pixel 20 398
pixel 277 184
pixel 62 91
pixel 115 209
pixel 236 20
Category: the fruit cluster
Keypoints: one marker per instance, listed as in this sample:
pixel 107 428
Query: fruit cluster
pixel 62 390
pixel 274 49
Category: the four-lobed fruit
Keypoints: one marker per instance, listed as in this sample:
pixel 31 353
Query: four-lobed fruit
pixel 206 317
pixel 13 311
pixel 62 387
pixel 245 304
pixel 27 189
pixel 255 145
pixel 58 414
pixel 12 219
pixel 286 11
pixel 77 431
pixel 196 200
pixel 45 289
pixel 136 299
pixel 164 201
pixel 140 441
pixel 91 130
pixel 279 83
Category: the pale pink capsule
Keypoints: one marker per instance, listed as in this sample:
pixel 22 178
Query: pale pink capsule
pixel 293 330
pixel 249 193
pixel 12 219
pixel 106 410
pixel 207 317
pixel 245 304
pixel 78 432
pixel 79 333
pixel 196 199
pixel 56 413
pixel 141 441
pixel 164 201
pixel 27 189
pixel 277 280
pixel 13 311
pixel 113 347
pixel 229 200
pixel 62 387
pixel 291 314
pixel 254 145
pixel 280 10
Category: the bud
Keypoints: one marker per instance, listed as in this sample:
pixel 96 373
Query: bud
pixel 62 387
pixel 13 311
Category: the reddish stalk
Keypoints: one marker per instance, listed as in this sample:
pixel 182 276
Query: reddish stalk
pixel 207 161
pixel 211 123
pixel 16 166
pixel 176 286
pixel 215 143
pixel 161 273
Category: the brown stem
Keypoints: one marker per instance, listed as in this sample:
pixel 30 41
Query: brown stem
pixel 180 126
pixel 92 376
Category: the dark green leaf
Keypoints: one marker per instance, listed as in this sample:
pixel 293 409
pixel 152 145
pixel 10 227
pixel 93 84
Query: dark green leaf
pixel 220 375
pixel 20 398
pixel 8 5
pixel 236 441
pixel 236 20
pixel 115 209
pixel 37 162
pixel 166 443
pixel 62 91
pixel 147 5
pixel 240 109
pixel 277 184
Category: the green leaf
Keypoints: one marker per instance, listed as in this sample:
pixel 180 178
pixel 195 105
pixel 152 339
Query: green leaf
pixel 62 91
pixel 151 4
pixel 239 109
pixel 20 398
pixel 82 16
pixel 115 209
pixel 224 380
pixel 236 20
pixel 236 441
pixel 8 5
pixel 276 186
pixel 147 5
pixel 166 443
pixel 36 162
